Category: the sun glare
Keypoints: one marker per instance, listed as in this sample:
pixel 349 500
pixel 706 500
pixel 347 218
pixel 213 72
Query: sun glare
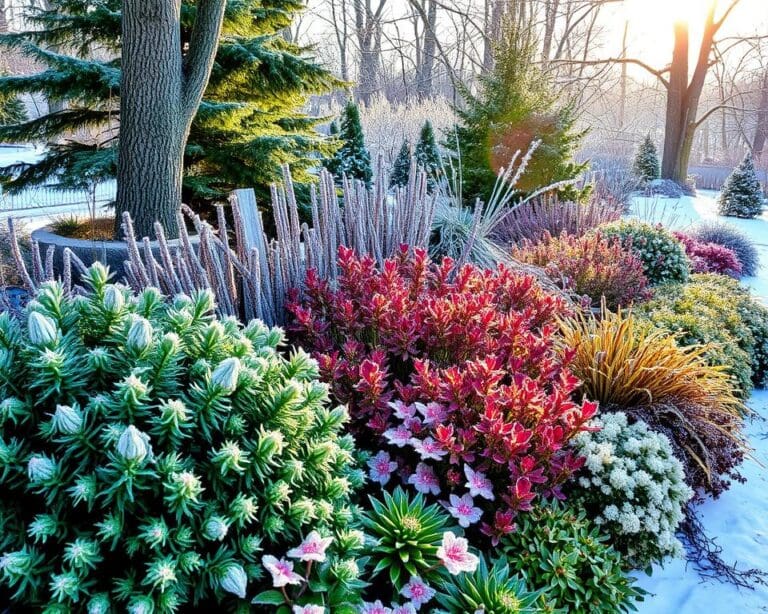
pixel 666 11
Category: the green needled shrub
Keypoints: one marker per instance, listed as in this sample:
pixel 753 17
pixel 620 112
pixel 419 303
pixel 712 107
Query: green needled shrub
pixel 149 451
pixel 562 554
pixel 717 310
pixel 663 256
pixel 633 487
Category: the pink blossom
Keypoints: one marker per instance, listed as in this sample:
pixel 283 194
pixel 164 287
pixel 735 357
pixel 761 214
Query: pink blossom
pixel 281 570
pixel 464 510
pixel 424 479
pixel 374 608
pixel 428 449
pixel 399 436
pixel 478 484
pixel 454 554
pixel 402 411
pixel 418 591
pixel 308 609
pixel 312 548
pixel 381 467
pixel 432 412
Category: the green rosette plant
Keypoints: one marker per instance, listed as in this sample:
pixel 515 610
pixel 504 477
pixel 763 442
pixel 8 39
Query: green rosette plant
pixel 149 452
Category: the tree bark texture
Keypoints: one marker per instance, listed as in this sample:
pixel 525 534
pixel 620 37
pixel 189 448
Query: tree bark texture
pixel 160 92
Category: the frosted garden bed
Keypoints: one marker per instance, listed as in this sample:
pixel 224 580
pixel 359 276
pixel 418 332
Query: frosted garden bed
pixel 738 520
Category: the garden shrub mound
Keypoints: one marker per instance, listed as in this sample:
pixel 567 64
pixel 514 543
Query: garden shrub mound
pixel 591 266
pixel 633 487
pixel 710 257
pixel 149 452
pixel 627 365
pixel 727 235
pixel 662 255
pixel 562 554
pixel 458 371
pixel 719 312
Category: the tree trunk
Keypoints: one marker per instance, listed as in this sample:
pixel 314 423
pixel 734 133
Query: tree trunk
pixel 427 63
pixel 160 91
pixel 683 97
pixel 676 113
pixel 761 131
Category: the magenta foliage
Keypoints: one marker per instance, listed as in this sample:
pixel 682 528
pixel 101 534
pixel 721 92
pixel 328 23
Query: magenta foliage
pixel 458 368
pixel 710 257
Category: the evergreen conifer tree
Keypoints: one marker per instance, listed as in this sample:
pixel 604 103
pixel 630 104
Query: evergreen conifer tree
pixel 250 120
pixel 12 110
pixel 402 166
pixel 742 195
pixel 352 158
pixel 516 105
pixel 646 165
pixel 427 154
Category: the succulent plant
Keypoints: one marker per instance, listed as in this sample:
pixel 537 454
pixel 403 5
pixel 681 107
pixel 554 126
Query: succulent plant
pixel 406 534
pixel 492 590
pixel 149 451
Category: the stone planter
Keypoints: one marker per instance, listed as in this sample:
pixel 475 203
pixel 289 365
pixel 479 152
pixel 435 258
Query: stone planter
pixel 111 253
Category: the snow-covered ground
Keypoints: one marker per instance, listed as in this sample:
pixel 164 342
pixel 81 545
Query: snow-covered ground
pixel 37 207
pixel 738 520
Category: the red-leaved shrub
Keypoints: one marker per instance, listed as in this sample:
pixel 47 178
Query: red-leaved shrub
pixel 710 257
pixel 457 368
pixel 590 265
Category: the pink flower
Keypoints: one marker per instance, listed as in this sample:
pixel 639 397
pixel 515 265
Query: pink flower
pixel 308 609
pixel 402 411
pixel 428 449
pixel 374 608
pixel 281 570
pixel 399 436
pixel 381 467
pixel 418 591
pixel 454 554
pixel 464 510
pixel 312 548
pixel 424 479
pixel 478 484
pixel 432 412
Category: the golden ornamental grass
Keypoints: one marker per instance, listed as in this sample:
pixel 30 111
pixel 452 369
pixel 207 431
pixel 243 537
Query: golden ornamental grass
pixel 624 362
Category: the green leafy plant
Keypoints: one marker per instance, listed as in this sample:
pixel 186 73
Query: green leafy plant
pixel 663 256
pixel 563 555
pixel 717 311
pixel 406 534
pixel 149 451
pixel 493 590
pixel 633 487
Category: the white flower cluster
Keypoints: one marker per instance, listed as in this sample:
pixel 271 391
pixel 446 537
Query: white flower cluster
pixel 633 486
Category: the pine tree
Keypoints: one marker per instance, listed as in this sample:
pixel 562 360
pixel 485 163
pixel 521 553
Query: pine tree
pixel 402 166
pixel 516 105
pixel 742 195
pixel 250 120
pixel 427 154
pixel 647 166
pixel 352 158
pixel 12 110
